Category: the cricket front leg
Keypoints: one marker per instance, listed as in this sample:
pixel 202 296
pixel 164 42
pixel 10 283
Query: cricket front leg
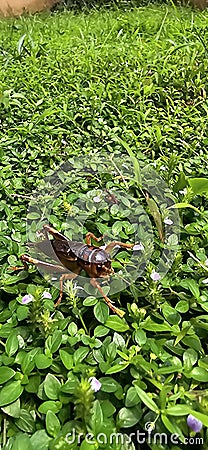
pixel 56 234
pixel 113 244
pixel 90 236
pixel 117 311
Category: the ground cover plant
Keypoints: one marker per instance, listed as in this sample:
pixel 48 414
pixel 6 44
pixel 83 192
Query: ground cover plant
pixel 104 83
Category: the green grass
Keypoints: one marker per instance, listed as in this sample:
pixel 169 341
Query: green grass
pixel 98 82
pixel 139 74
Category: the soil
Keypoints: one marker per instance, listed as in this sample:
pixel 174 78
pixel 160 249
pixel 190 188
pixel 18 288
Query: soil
pixel 18 7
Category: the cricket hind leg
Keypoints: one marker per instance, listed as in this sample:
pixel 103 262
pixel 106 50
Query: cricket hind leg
pixel 25 264
pixel 64 277
pixel 117 311
pixel 26 260
pixel 48 267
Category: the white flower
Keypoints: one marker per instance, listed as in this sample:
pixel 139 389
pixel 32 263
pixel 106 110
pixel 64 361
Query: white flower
pixel 28 298
pixel 206 262
pixel 155 276
pixel 97 199
pixel 205 281
pixel 46 294
pixel 168 221
pixel 95 384
pixel 183 191
pixel 138 247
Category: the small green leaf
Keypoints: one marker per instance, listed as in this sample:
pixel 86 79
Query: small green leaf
pixel 108 384
pixel 51 405
pixel 182 306
pixel 170 314
pixel 42 361
pixel 190 357
pixel 172 426
pixel 140 337
pixel 185 205
pixel 182 334
pixel 66 359
pixel 96 417
pixel 22 442
pixel 53 342
pixel 150 325
pixel 52 424
pixel 181 182
pixel 71 384
pixel 40 440
pixel 199 185
pixel 178 410
pixel 6 374
pixel 90 301
pixel 117 368
pixel 101 311
pixel 72 328
pixel 192 286
pixel 13 409
pixel 199 374
pixel 80 354
pixel 128 417
pixel 25 422
pixel 12 344
pixel 22 312
pixel 108 408
pixel 10 392
pixel 86 445
pixel 132 398
pixel 52 387
pixel 146 399
pixel 20 44
pixel 155 212
pixel 100 331
pixel 116 324
pixel 33 383
pixel 28 362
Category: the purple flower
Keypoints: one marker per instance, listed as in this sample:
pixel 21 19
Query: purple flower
pixel 168 221
pixel 46 294
pixel 194 423
pixel 95 384
pixel 155 276
pixel 28 298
